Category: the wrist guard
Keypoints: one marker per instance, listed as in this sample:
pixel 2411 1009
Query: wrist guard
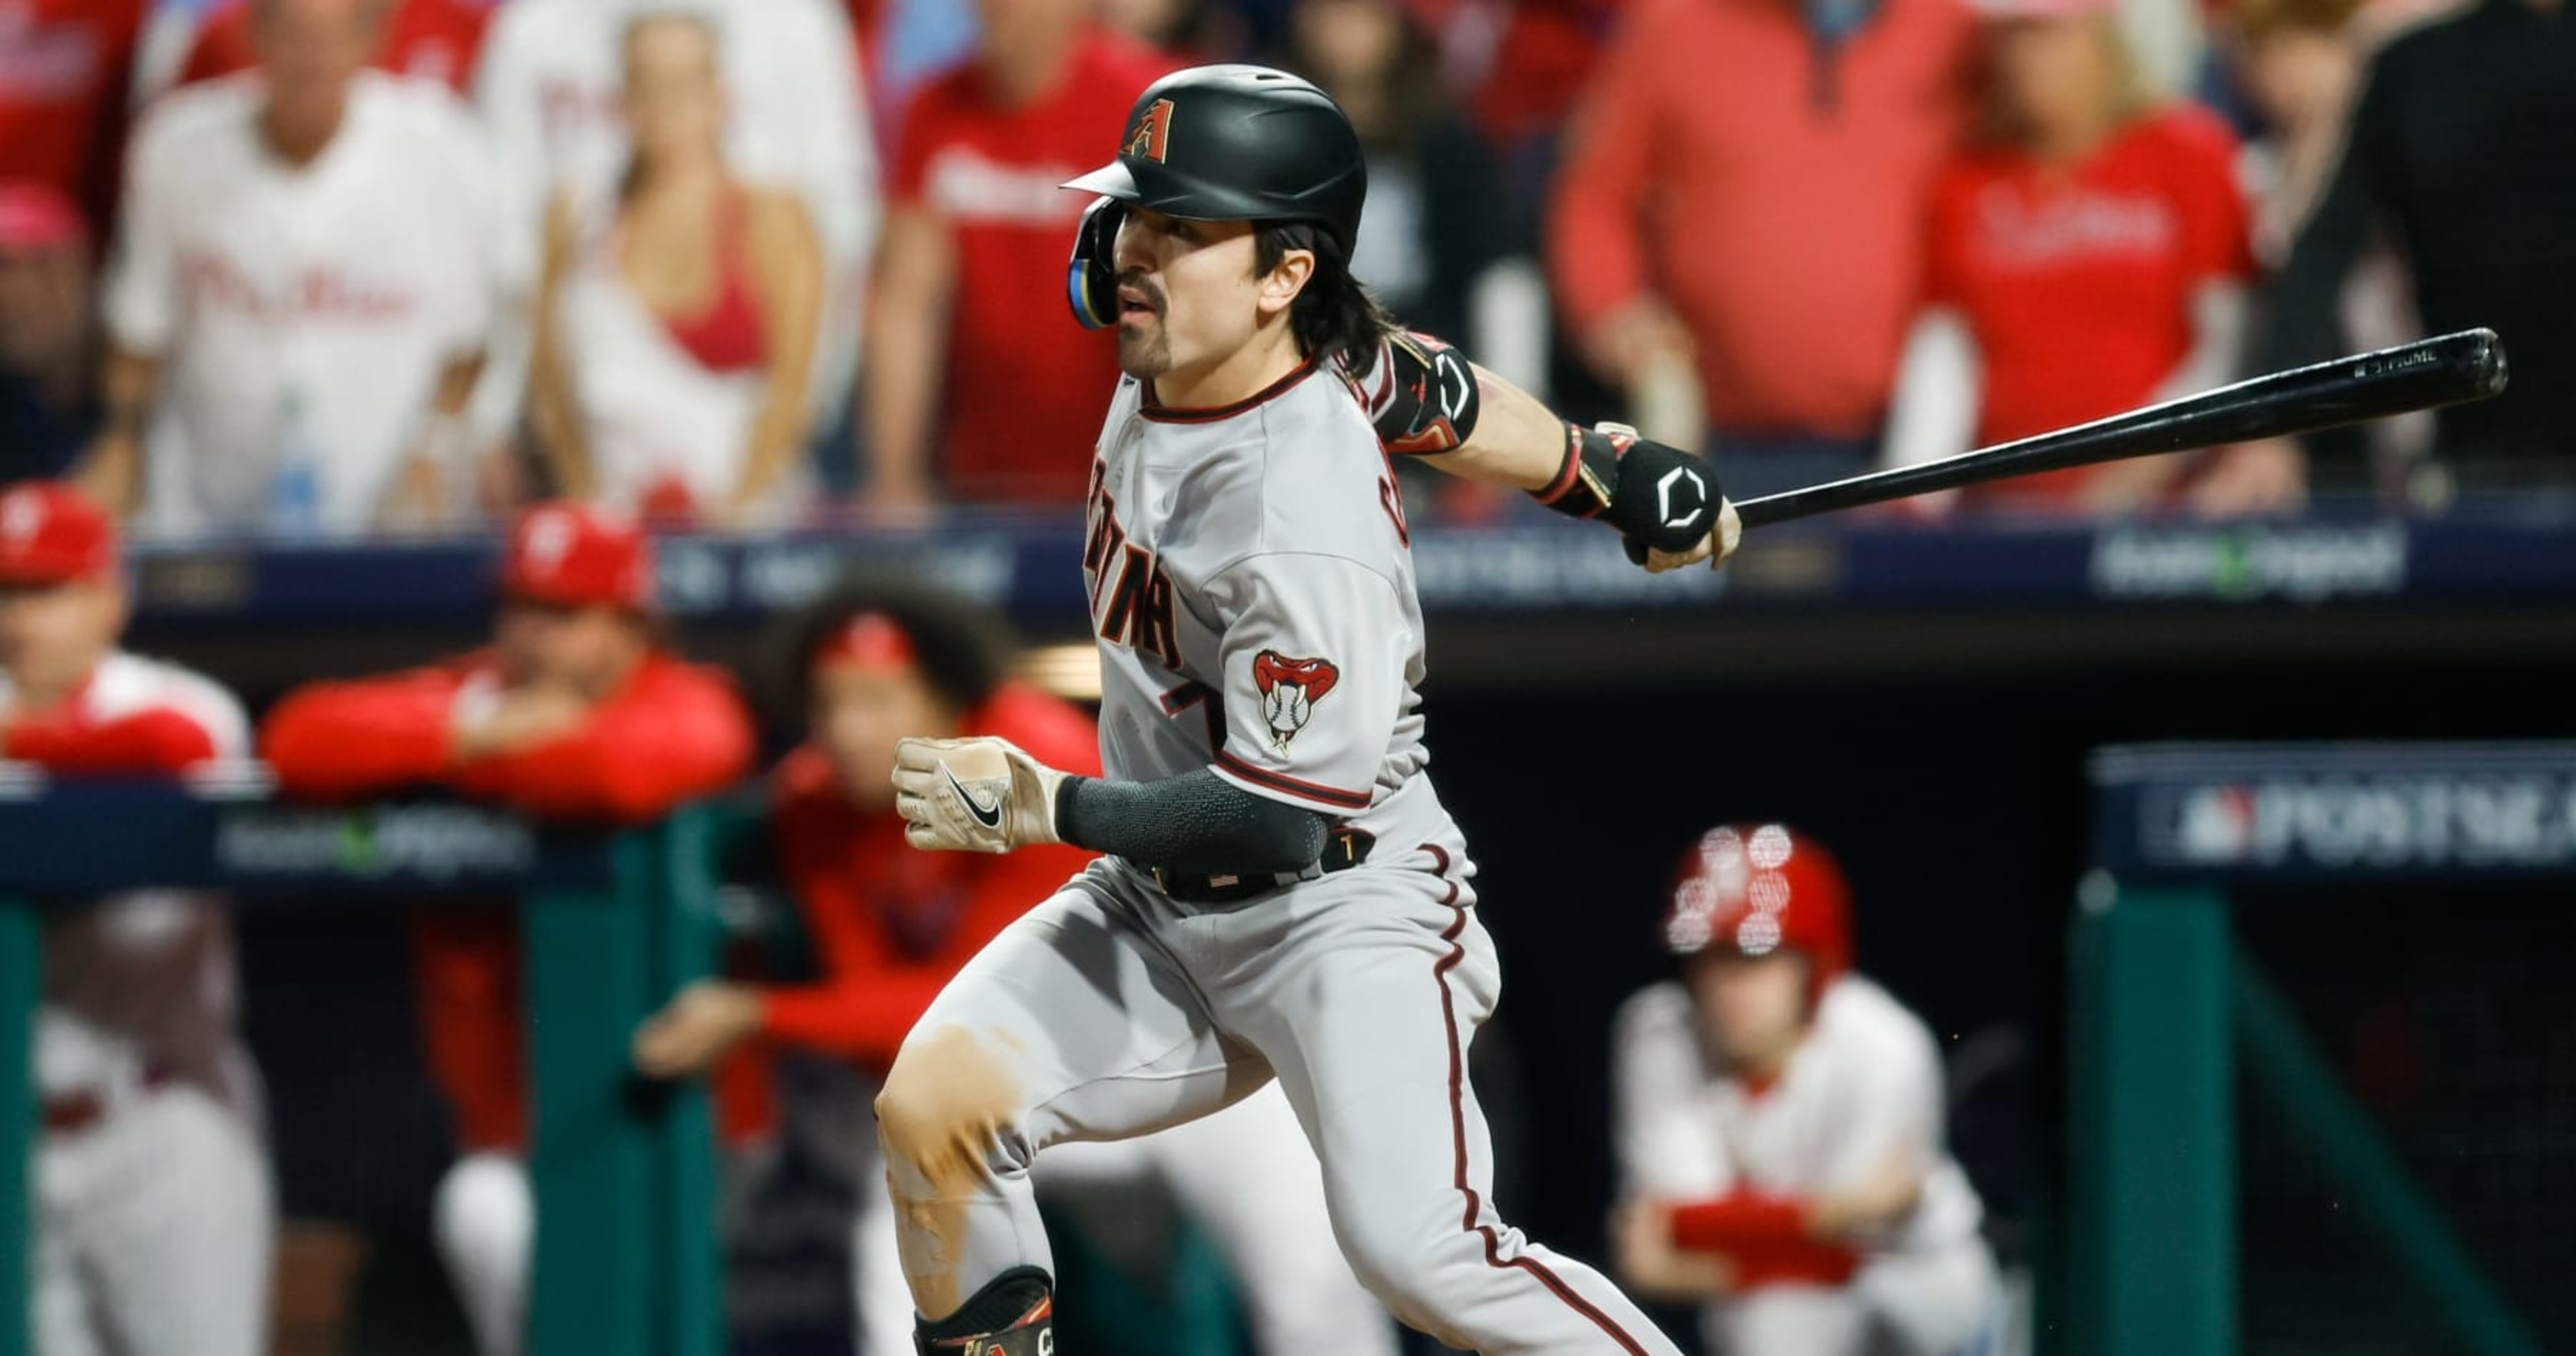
pixel 1659 497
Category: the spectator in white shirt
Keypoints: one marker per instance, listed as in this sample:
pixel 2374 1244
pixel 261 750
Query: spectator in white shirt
pixel 303 280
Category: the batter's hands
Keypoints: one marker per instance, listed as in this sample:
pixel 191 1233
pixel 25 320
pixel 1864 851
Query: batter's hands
pixel 697 1028
pixel 1714 548
pixel 973 795
pixel 1725 532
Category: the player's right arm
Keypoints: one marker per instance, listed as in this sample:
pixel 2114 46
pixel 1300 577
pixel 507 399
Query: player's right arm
pixel 1428 401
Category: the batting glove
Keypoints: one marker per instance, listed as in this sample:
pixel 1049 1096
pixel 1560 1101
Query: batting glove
pixel 973 795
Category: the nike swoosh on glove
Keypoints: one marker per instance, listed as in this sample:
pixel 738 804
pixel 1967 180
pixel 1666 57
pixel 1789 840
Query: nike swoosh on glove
pixel 973 795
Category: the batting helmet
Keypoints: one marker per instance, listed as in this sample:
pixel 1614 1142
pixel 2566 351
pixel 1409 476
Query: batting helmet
pixel 1219 143
pixel 1756 889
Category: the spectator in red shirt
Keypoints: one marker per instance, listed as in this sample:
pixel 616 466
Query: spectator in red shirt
pixel 154 1217
pixel 66 74
pixel 2089 256
pixel 575 712
pixel 1740 210
pixel 968 398
pixel 427 39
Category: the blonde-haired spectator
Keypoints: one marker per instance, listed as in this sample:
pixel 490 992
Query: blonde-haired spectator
pixel 2089 254
pixel 676 316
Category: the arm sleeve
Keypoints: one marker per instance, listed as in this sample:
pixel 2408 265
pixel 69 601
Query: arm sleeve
pixel 339 740
pixel 685 735
pixel 1195 822
pixel 1595 249
pixel 1314 659
pixel 2303 298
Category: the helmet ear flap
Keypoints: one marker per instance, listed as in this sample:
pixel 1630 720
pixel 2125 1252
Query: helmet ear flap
pixel 1091 278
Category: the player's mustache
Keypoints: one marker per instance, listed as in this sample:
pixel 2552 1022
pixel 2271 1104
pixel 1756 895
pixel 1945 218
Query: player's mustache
pixel 1135 278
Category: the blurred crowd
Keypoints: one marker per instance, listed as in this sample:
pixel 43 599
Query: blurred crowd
pixel 341 267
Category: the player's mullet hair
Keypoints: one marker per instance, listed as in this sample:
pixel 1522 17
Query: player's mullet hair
pixel 1334 317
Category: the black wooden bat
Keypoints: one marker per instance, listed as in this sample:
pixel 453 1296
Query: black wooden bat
pixel 2423 375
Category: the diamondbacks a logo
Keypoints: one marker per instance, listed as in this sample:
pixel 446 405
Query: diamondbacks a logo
pixel 1152 133
pixel 1289 690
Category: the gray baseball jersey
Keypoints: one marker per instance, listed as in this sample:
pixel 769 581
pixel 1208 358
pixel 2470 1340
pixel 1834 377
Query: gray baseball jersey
pixel 1252 589
pixel 1251 584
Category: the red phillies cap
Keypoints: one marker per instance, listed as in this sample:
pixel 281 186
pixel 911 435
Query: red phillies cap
pixel 51 533
pixel 870 640
pixel 34 216
pixel 574 555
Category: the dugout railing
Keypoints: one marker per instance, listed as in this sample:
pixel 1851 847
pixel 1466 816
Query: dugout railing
pixel 623 1171
pixel 2172 1015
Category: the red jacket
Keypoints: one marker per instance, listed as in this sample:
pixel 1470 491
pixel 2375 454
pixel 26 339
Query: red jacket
pixel 673 732
pixel 893 924
pixel 132 716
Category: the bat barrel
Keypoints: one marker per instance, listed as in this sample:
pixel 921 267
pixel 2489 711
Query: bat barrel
pixel 2427 374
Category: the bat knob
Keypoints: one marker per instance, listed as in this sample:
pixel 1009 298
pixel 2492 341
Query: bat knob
pixel 2486 358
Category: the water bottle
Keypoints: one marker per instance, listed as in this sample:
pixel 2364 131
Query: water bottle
pixel 295 487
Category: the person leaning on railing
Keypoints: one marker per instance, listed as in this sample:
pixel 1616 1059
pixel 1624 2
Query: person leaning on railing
pixel 575 712
pixel 155 1214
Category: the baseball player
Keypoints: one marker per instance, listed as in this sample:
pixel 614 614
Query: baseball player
pixel 575 712
pixel 1283 895
pixel 877 660
pixel 304 275
pixel 1779 1125
pixel 155 1214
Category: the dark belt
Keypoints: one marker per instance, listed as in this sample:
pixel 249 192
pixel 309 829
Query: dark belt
pixel 1345 849
pixel 73 1112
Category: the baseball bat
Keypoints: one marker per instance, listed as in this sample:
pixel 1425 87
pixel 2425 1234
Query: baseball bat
pixel 2427 374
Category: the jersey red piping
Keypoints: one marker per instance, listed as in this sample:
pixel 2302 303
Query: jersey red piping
pixel 1185 414
pixel 1280 781
pixel 1458 1129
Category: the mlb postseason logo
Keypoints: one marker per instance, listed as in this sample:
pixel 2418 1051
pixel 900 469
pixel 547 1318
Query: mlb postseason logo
pixel 2393 821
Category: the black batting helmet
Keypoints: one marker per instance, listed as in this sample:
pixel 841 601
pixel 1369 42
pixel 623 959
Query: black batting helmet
pixel 1221 143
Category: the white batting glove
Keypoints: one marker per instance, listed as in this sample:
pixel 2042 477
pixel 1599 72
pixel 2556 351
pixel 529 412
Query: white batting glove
pixel 973 795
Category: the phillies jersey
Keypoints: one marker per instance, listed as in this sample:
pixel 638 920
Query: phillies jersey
pixel 139 985
pixel 989 172
pixel 1252 589
pixel 1864 1086
pixel 2078 281
pixel 333 294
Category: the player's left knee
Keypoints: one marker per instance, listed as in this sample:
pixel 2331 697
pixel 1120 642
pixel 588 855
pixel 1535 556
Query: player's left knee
pixel 946 1107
